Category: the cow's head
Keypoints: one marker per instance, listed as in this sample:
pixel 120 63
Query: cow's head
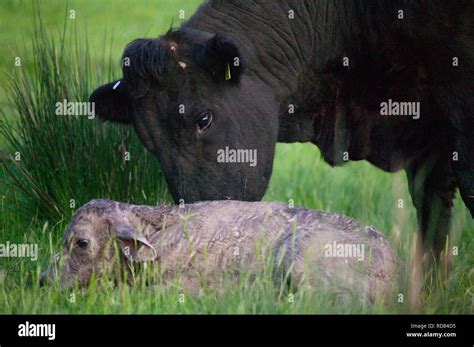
pixel 200 110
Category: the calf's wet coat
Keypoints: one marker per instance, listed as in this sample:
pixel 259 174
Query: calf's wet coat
pixel 319 250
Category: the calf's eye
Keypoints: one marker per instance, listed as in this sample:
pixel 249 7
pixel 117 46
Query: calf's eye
pixel 204 121
pixel 82 243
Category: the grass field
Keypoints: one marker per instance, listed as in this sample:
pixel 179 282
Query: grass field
pixel 66 162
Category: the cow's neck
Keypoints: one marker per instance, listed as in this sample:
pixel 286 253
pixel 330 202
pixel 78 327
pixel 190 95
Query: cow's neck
pixel 301 59
pixel 269 40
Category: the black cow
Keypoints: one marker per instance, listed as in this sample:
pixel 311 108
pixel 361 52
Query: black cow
pixel 387 81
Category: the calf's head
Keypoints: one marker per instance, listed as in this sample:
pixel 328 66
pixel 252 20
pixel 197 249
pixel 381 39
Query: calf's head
pixel 90 246
pixel 195 106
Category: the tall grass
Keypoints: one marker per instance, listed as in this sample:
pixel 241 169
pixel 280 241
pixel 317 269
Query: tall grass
pixel 55 162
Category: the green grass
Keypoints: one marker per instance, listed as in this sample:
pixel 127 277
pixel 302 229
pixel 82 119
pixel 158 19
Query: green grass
pixel 64 158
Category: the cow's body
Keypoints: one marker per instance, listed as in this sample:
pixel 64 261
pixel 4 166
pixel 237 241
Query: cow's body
pixel 321 70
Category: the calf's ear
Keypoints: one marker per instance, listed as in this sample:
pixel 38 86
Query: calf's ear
pixel 113 102
pixel 133 244
pixel 220 56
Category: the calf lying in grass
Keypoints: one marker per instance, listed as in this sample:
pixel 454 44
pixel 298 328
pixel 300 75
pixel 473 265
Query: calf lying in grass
pixel 201 242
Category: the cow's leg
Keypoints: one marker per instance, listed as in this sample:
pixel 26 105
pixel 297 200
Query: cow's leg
pixel 463 160
pixel 432 186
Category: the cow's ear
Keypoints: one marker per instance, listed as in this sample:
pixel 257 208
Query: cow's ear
pixel 220 56
pixel 113 102
pixel 134 246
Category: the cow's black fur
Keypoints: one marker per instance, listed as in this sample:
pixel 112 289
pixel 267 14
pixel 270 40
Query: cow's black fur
pixel 298 63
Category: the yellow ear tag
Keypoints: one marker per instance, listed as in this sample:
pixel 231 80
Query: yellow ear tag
pixel 227 72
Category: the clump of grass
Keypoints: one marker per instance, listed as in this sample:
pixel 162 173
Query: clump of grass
pixel 57 162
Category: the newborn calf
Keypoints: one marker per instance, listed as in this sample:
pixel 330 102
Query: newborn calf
pixel 206 239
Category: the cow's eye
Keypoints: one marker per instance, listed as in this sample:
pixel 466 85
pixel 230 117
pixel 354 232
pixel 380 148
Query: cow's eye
pixel 82 243
pixel 204 121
